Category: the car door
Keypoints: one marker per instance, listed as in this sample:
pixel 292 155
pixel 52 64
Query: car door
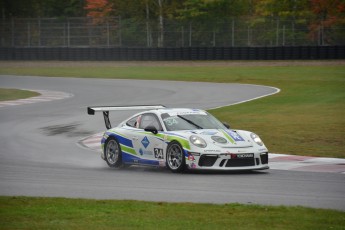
pixel 149 146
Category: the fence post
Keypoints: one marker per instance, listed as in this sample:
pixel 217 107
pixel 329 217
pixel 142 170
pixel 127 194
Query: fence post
pixel 322 31
pixel 283 35
pixel 29 34
pixel 214 38
pixel 233 33
pixel 64 33
pixel 147 34
pixel 68 35
pixel 39 32
pixel 120 34
pixel 190 34
pixel 248 36
pixel 293 33
pixel 12 31
pixel 3 30
pixel 277 33
pixel 182 33
pixel 108 34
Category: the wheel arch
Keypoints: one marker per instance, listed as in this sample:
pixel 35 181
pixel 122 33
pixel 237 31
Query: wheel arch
pixel 119 162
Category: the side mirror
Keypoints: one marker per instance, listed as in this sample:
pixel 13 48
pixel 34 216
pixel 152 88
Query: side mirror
pixel 226 125
pixel 151 129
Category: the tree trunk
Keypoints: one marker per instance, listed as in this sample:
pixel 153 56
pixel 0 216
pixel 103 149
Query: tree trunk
pixel 161 26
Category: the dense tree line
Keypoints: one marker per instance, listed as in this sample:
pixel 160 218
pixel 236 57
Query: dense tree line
pixel 331 10
pixel 316 15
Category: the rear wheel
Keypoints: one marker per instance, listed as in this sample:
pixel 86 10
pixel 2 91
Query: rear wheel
pixel 175 159
pixel 112 153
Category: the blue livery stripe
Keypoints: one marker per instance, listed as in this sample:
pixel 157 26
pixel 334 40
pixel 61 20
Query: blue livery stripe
pixel 122 140
pixel 129 158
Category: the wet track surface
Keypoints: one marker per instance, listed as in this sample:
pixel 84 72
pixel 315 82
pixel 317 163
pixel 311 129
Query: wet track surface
pixel 39 155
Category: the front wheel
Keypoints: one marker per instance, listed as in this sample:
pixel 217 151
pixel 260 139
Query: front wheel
pixel 112 153
pixel 175 159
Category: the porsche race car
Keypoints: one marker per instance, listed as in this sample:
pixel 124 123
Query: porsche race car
pixel 179 139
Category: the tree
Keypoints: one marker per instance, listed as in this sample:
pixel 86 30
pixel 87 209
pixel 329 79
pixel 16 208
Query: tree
pixel 281 8
pixel 328 13
pixel 41 8
pixel 98 9
pixel 66 8
pixel 213 9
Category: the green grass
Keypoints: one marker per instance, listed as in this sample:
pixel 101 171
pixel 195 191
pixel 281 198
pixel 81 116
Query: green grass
pixel 62 213
pixel 14 94
pixel 306 118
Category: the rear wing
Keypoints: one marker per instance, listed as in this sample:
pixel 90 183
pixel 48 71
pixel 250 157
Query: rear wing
pixel 106 109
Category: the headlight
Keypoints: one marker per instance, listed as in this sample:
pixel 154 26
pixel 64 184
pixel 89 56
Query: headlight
pixel 197 141
pixel 219 139
pixel 256 139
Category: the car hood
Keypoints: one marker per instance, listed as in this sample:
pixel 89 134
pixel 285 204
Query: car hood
pixel 234 138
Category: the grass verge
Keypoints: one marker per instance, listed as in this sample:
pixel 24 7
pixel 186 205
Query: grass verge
pixel 14 94
pixel 306 118
pixel 62 213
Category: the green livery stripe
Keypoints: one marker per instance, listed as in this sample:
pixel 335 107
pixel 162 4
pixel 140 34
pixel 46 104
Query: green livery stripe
pixel 228 137
pixel 183 142
pixel 128 149
pixel 159 135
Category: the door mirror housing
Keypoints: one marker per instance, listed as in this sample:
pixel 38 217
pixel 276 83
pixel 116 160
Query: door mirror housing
pixel 151 129
pixel 226 125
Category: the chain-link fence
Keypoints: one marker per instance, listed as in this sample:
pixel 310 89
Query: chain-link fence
pixel 117 32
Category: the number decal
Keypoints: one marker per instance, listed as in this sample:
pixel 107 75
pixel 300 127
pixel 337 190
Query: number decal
pixel 170 121
pixel 159 153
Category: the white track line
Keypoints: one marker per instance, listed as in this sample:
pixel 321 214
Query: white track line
pixel 277 90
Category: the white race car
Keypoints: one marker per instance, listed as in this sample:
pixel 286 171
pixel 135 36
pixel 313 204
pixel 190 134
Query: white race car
pixel 179 139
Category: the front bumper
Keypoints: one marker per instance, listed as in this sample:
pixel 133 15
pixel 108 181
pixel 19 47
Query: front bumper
pixel 245 161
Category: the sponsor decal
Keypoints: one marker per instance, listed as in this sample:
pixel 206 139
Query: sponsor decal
pixel 145 152
pixel 145 142
pixel 238 155
pixel 193 166
pixel 191 158
pixel 235 136
pixel 191 112
pixel 158 153
pixel 242 155
pixel 211 151
pixel 209 133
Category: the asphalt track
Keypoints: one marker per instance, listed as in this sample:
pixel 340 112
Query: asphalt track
pixel 39 155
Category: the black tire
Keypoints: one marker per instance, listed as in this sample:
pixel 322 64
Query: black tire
pixel 175 159
pixel 112 153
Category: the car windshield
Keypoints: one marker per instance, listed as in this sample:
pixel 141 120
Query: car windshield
pixel 191 122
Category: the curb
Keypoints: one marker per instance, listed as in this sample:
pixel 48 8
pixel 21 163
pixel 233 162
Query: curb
pixel 46 95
